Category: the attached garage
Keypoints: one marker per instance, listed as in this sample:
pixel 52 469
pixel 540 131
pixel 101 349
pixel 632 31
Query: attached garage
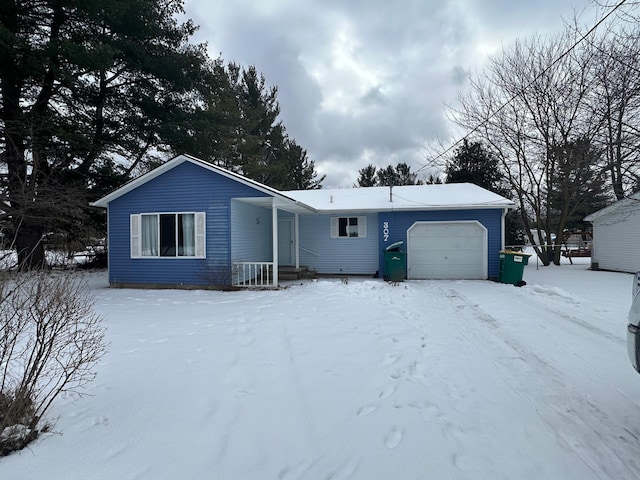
pixel 447 250
pixel 449 231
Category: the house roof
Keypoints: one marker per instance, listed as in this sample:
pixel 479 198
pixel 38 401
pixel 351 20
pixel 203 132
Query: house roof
pixel 369 199
pixel 407 197
pixel 632 202
pixel 282 200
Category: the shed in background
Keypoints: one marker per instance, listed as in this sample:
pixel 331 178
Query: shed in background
pixel 616 231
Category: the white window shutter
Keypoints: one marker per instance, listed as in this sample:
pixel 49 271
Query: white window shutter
pixel 334 227
pixel 135 236
pixel 200 234
pixel 362 226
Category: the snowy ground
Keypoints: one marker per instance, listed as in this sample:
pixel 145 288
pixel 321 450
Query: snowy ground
pixel 364 380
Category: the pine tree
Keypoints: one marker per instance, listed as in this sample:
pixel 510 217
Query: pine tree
pixel 473 163
pixel 405 176
pixel 401 174
pixel 433 180
pixel 387 177
pixel 81 82
pixel 367 176
pixel 238 128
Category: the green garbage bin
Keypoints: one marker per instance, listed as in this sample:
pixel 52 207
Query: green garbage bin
pixel 394 262
pixel 512 267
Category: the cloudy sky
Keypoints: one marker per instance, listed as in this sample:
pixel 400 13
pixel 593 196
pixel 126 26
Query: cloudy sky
pixel 363 82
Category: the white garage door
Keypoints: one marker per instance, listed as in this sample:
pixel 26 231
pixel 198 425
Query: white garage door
pixel 447 250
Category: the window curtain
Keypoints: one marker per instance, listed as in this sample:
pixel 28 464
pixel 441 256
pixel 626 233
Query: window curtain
pixel 149 235
pixel 352 229
pixel 188 247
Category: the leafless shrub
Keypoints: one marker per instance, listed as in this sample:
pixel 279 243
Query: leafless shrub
pixel 50 340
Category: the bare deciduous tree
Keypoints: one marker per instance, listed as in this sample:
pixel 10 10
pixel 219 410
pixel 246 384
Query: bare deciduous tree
pixel 529 106
pixel 615 101
pixel 50 341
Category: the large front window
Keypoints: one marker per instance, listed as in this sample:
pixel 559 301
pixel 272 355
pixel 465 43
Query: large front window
pixel 167 235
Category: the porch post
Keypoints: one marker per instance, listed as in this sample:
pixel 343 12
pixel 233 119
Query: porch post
pixel 274 229
pixel 297 239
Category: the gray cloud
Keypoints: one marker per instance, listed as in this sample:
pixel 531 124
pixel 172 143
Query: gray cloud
pixel 364 82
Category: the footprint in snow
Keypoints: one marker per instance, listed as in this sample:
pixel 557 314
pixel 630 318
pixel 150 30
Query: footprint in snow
pixel 430 412
pixel 344 472
pixel 416 370
pixel 393 438
pixel 366 410
pixel 101 421
pixel 390 360
pixel 387 391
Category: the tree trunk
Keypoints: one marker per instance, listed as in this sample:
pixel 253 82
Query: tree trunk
pixel 30 246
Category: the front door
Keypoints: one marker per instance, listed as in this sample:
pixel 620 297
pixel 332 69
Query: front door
pixel 285 241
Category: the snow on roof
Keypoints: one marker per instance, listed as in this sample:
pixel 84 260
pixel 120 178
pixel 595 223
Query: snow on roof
pixel 407 197
pixel 621 206
pixel 284 201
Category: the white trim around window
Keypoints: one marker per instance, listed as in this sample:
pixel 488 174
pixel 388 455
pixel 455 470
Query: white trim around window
pixel 349 227
pixel 168 235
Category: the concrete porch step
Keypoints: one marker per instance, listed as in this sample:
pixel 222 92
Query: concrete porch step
pixel 288 273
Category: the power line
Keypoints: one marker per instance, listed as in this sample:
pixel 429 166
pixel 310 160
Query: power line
pixel 611 56
pixel 537 77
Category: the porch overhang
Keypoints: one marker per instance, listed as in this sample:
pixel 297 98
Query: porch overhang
pixel 281 203
pixel 256 269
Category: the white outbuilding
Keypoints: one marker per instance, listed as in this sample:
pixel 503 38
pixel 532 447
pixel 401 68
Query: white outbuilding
pixel 616 232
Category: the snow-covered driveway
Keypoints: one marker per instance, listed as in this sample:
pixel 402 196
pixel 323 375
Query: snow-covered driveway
pixel 363 380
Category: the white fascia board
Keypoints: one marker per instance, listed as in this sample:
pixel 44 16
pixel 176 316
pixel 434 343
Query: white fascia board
pixel 417 208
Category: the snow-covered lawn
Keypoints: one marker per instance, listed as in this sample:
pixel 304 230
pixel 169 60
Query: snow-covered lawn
pixel 363 380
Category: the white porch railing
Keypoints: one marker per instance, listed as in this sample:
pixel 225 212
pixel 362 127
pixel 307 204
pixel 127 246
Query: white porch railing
pixel 252 274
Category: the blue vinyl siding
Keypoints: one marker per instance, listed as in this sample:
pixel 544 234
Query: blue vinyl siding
pixel 184 188
pixel 239 231
pixel 251 236
pixel 354 256
pixel 399 223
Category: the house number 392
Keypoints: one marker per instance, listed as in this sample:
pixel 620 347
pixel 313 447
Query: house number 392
pixel 385 231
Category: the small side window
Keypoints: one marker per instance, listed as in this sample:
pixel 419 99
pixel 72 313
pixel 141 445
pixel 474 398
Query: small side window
pixel 348 227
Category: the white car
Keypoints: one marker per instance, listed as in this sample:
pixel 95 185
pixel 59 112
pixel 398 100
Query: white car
pixel 633 327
